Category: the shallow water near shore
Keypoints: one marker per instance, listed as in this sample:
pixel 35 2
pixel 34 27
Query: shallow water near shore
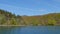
pixel 30 30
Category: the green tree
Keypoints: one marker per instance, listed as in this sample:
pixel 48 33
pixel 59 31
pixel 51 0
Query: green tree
pixel 3 21
pixel 13 21
pixel 51 22
pixel 34 22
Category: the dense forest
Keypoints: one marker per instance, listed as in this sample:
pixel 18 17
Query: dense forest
pixel 7 18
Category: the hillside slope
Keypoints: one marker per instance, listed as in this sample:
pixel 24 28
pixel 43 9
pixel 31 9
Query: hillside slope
pixel 7 18
pixel 48 19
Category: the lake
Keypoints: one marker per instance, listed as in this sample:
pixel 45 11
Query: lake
pixel 30 30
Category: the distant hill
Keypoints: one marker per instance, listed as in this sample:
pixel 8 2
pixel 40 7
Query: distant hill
pixel 48 19
pixel 7 18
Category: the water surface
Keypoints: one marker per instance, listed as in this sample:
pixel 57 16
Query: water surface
pixel 30 30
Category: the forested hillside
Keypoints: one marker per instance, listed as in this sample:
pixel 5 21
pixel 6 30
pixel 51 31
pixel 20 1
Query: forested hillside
pixel 7 18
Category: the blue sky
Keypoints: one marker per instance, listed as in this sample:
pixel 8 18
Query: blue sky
pixel 30 7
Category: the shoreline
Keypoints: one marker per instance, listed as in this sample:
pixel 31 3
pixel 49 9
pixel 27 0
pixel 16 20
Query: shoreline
pixel 12 25
pixel 28 25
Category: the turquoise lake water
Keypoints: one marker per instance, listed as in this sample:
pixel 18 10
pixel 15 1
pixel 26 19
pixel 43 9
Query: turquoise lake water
pixel 30 30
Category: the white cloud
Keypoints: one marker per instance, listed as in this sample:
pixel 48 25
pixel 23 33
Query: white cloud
pixel 19 8
pixel 52 5
pixel 34 9
pixel 56 0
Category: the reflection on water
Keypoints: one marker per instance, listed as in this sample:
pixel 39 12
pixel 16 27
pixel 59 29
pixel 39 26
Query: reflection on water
pixel 30 30
pixel 6 30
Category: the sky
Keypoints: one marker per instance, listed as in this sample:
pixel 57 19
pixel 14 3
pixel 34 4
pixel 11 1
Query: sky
pixel 30 7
